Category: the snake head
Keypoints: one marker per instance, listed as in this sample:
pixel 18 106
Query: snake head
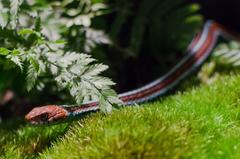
pixel 46 114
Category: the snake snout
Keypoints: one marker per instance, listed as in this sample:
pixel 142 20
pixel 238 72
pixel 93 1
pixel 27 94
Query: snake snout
pixel 38 119
pixel 46 114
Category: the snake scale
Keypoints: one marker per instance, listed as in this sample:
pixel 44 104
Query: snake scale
pixel 197 52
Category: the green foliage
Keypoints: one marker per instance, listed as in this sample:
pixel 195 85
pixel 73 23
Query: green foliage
pixel 228 54
pixel 160 27
pixel 225 60
pixel 27 140
pixel 200 123
pixel 36 48
pixel 44 41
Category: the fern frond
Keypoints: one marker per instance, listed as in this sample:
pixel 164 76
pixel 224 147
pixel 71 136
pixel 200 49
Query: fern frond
pixel 14 8
pixel 228 54
pixel 94 70
pixel 78 73
pixel 3 15
pixel 95 37
pixel 31 78
pixel 33 71
pixel 16 60
pixel 62 59
pixel 100 82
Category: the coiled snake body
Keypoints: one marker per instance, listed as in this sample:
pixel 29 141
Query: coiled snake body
pixel 198 51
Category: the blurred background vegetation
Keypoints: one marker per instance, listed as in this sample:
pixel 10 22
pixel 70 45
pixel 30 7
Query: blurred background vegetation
pixel 139 40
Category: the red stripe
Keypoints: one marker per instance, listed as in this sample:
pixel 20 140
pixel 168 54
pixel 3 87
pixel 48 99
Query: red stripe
pixel 176 74
pixel 195 40
pixel 172 77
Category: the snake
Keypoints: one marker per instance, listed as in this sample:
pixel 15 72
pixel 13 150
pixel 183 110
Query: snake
pixel 197 52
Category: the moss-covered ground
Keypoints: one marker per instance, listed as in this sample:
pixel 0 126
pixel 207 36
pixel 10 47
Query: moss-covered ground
pixel 202 122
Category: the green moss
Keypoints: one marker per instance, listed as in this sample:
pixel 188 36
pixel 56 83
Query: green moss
pixel 200 123
pixel 27 141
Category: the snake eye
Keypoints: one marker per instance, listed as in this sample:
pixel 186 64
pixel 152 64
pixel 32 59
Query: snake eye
pixel 44 117
pixel 40 119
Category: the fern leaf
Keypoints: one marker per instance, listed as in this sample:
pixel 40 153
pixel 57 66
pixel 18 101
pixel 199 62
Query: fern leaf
pixel 14 8
pixel 94 37
pixel 31 77
pixel 16 60
pixel 95 69
pixel 34 70
pixel 101 82
pixel 85 59
pixel 105 105
pixel 111 96
pixel 228 54
pixel 3 16
pixel 68 59
pixel 64 78
pixel 4 51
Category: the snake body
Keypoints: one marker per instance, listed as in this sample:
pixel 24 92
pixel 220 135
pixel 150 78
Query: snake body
pixel 197 52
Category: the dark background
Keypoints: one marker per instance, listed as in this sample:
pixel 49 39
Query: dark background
pixel 226 12
pixel 146 68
